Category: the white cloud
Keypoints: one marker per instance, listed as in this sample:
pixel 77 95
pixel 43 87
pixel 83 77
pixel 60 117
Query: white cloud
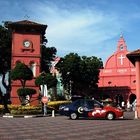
pixel 81 32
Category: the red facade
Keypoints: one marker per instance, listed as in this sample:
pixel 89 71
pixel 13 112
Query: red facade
pixel 119 74
pixel 134 57
pixel 26 39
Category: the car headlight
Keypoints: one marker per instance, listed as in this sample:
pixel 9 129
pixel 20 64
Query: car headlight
pixel 66 109
pixel 61 107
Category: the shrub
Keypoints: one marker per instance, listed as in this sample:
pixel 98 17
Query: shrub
pixel 32 110
pixel 25 91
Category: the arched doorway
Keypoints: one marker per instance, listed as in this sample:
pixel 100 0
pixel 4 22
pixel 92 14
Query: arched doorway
pixel 106 97
pixel 132 98
pixel 119 100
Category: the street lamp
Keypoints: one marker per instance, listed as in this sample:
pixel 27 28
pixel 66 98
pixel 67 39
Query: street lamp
pixel 44 94
pixel 70 84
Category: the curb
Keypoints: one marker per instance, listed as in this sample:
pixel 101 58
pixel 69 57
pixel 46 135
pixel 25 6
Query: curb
pixel 27 116
pixel 23 116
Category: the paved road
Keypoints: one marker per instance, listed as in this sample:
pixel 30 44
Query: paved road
pixel 62 128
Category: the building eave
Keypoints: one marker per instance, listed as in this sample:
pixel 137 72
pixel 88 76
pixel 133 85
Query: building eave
pixel 133 56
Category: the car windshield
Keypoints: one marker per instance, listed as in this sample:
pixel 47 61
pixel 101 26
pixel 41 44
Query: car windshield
pixel 97 102
pixel 87 103
pixel 78 103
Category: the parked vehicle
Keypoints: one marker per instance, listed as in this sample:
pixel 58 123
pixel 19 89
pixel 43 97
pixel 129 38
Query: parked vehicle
pixel 89 108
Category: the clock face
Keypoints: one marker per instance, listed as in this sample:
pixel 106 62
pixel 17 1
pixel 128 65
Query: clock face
pixel 26 43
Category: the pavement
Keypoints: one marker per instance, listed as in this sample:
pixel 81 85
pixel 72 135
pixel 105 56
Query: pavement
pixel 62 128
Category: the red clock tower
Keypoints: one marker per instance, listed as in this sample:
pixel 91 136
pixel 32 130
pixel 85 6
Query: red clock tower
pixel 26 40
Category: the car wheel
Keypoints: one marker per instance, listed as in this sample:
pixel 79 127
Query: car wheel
pixel 73 116
pixel 110 116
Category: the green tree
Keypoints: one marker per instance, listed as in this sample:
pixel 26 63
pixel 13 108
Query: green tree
pixel 5 61
pixel 69 68
pixel 47 55
pixel 5 49
pixel 89 73
pixel 47 79
pixel 79 74
pixel 23 73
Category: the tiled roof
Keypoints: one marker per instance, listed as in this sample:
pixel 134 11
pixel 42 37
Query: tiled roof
pixel 136 52
pixel 132 56
pixel 26 23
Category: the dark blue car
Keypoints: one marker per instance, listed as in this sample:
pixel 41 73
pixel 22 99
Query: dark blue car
pixel 89 108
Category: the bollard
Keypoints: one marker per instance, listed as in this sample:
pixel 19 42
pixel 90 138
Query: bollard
pixel 53 113
pixel 136 115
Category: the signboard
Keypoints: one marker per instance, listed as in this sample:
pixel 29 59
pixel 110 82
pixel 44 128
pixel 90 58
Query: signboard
pixel 44 99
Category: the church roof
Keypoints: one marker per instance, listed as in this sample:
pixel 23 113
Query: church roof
pixel 132 56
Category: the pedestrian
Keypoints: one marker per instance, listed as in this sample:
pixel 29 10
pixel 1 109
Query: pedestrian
pixel 134 105
pixel 123 105
pixel 4 88
pixel 128 105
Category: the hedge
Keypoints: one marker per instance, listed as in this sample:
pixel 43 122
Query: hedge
pixel 17 110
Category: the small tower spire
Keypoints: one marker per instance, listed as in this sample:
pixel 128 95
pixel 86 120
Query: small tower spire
pixel 121 43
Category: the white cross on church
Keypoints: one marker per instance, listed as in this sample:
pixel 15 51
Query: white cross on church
pixel 121 58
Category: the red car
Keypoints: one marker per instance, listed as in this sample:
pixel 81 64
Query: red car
pixel 90 108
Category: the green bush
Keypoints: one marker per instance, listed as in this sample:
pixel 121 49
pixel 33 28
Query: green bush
pixel 34 110
pixel 29 110
pixel 25 91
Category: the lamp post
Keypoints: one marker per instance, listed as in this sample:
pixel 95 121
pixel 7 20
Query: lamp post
pixel 70 87
pixel 69 84
pixel 44 95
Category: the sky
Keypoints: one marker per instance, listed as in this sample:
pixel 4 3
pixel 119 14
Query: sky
pixel 86 27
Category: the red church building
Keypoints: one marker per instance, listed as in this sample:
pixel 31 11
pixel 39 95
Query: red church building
pixel 26 39
pixel 118 77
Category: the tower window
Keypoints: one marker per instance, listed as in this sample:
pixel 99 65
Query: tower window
pixel 33 68
pixel 121 47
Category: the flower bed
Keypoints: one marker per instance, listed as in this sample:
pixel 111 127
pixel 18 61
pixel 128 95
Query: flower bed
pixel 32 110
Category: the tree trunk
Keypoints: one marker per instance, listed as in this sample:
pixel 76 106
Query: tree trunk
pixel 54 91
pixel 4 99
